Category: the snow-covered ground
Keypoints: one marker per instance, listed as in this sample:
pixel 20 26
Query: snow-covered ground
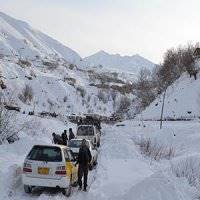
pixel 182 101
pixel 60 82
pixel 58 78
pixel 122 171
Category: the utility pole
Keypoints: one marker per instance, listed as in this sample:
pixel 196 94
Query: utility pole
pixel 163 104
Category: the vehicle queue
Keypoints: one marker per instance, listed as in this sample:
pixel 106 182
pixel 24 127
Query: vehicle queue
pixel 63 164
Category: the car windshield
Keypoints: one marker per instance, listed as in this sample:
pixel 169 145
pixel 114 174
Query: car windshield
pixel 74 143
pixel 85 131
pixel 44 153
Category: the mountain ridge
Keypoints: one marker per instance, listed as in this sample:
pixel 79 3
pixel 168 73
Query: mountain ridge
pixel 116 61
pixel 18 37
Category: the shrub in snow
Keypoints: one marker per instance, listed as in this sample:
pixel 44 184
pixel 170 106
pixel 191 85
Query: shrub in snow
pixel 102 96
pixel 124 104
pixel 154 150
pixel 51 105
pixel 65 99
pixel 113 95
pixel 23 63
pixel 188 168
pixel 27 94
pixel 145 88
pixel 88 98
pixel 72 66
pixel 70 81
pixel 32 73
pixel 50 65
pixel 81 90
pixel 7 123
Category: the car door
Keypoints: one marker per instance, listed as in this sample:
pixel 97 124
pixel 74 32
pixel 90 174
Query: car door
pixel 71 169
pixel 93 152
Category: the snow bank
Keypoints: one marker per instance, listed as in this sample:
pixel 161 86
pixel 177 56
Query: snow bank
pixel 158 187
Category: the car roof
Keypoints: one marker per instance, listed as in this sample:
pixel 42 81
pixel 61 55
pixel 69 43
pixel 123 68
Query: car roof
pixel 53 145
pixel 85 125
pixel 80 139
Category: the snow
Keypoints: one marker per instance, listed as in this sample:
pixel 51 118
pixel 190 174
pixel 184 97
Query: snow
pixel 18 38
pixel 116 62
pixel 50 84
pixel 122 171
pixel 182 101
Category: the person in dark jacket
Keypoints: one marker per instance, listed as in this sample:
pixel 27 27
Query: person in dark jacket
pixel 71 134
pixel 57 139
pixel 83 159
pixel 64 137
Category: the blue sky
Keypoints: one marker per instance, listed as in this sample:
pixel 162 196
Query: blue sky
pixel 146 27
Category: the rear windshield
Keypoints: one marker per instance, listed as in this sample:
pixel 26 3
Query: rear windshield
pixel 48 154
pixel 76 143
pixel 85 130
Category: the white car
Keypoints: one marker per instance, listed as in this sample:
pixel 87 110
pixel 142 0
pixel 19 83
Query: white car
pixel 75 144
pixel 50 166
pixel 89 132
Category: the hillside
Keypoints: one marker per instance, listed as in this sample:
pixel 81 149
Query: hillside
pixel 182 101
pixel 53 75
pixel 116 62
pixel 19 39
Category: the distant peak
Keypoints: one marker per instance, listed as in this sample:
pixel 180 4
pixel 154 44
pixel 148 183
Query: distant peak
pixel 102 52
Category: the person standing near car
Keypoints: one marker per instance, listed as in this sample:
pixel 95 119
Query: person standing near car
pixel 64 137
pixel 57 139
pixel 83 161
pixel 71 134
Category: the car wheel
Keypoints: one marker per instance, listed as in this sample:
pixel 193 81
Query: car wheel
pixel 27 189
pixel 67 191
pixel 98 144
pixel 95 162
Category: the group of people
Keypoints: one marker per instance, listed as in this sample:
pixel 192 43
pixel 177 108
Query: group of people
pixel 63 138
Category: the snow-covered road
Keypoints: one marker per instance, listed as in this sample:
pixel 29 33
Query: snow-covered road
pixel 120 166
pixel 122 172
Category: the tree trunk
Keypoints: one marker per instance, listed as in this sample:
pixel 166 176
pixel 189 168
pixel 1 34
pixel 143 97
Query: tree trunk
pixel 163 104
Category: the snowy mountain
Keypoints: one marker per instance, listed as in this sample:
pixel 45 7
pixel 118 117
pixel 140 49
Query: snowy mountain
pixel 18 38
pixel 182 101
pixel 136 159
pixel 130 64
pixel 54 74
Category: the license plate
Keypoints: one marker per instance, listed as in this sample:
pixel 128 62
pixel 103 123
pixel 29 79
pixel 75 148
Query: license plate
pixel 43 170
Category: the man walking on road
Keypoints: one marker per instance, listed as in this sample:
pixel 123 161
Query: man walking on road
pixel 71 134
pixel 84 158
pixel 64 137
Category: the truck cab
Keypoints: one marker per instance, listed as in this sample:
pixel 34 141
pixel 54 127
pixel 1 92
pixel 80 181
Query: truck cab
pixel 89 132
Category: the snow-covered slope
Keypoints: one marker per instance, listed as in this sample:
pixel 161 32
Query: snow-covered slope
pixel 182 100
pixel 18 38
pixel 57 78
pixel 131 64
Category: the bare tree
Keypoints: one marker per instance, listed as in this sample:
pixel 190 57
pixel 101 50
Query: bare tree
pixel 7 122
pixel 27 94
pixel 145 88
